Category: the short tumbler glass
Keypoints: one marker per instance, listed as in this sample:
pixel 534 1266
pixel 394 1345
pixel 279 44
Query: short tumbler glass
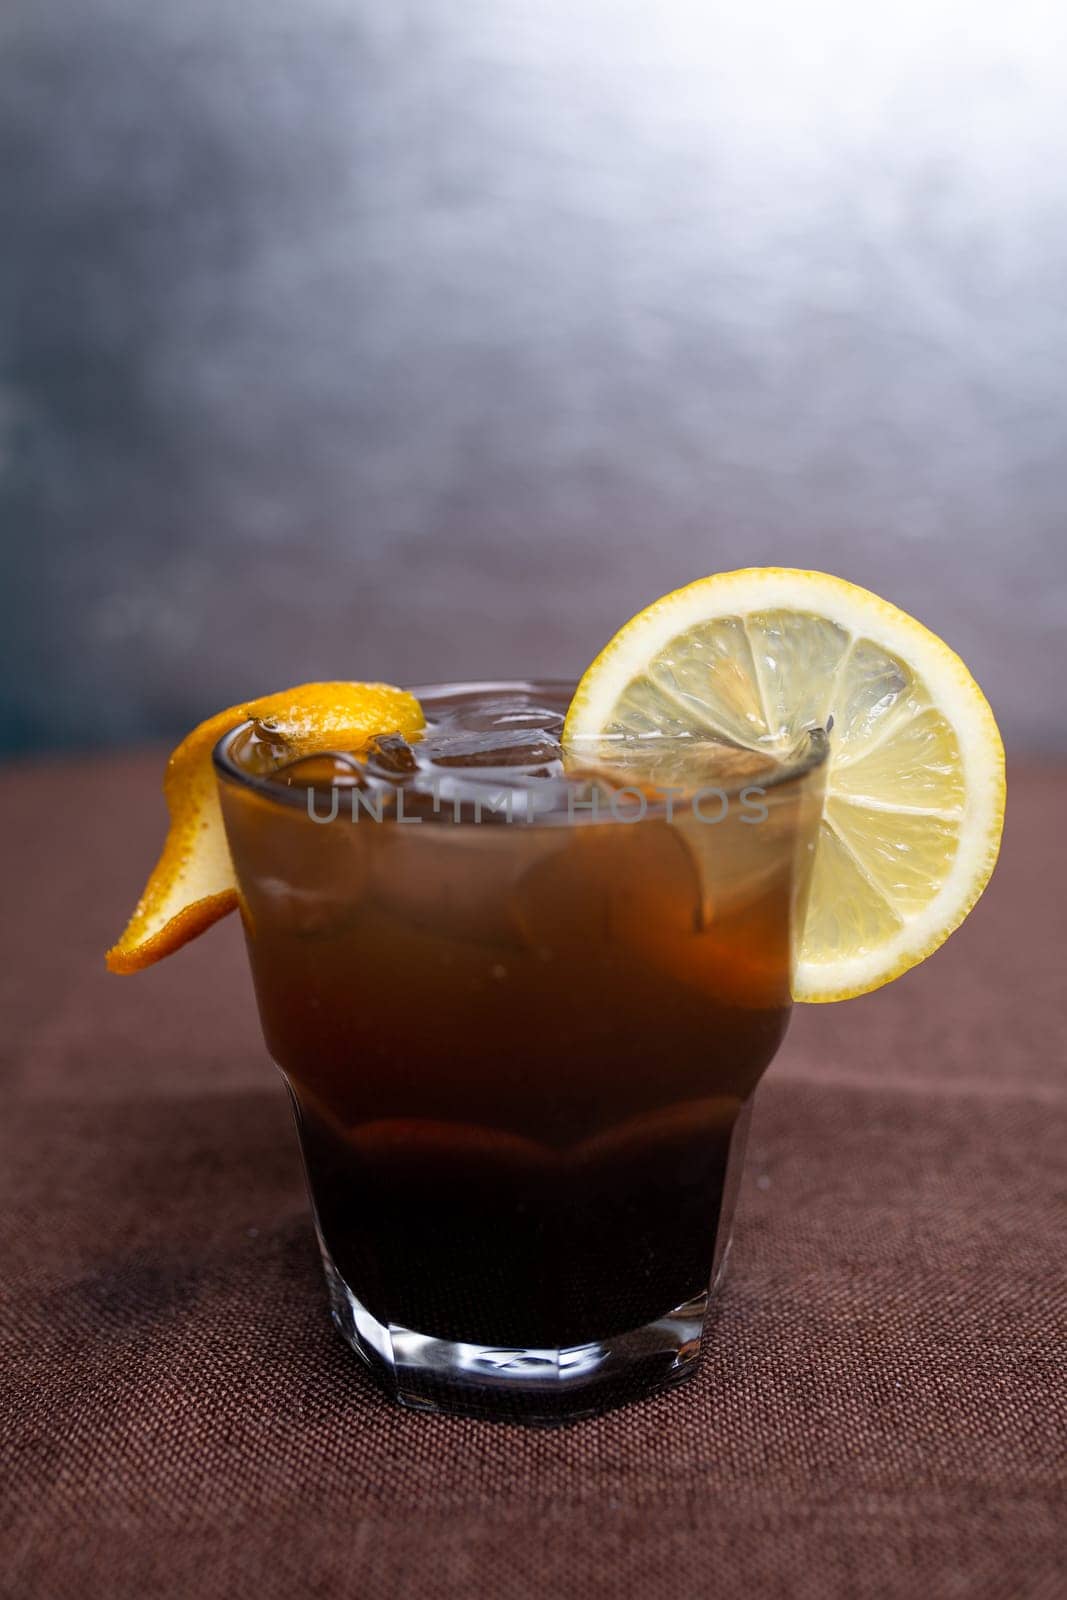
pixel 522 1057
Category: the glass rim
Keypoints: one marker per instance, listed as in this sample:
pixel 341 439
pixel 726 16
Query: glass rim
pixel 806 755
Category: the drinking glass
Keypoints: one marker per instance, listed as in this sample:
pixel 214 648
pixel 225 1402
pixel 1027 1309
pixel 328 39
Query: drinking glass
pixel 521 1055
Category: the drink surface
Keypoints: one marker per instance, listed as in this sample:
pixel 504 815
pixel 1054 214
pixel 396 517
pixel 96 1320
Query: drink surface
pixel 493 753
pixel 517 1048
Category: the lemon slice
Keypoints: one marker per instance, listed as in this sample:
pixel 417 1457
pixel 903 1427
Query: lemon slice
pixel 915 785
pixel 193 884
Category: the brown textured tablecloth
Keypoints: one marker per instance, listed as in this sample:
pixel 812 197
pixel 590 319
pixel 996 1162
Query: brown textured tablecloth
pixel 880 1407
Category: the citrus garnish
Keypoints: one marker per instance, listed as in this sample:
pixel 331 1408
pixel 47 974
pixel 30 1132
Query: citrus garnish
pixel 193 884
pixel 915 783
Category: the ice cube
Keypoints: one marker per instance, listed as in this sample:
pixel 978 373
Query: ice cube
pixel 328 770
pixel 448 1151
pixel 550 722
pixel 459 892
pixel 391 754
pixel 687 1129
pixel 517 747
pixel 682 764
pixel 491 716
pixel 261 748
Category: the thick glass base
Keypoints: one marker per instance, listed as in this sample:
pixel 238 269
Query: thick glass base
pixel 517 1384
pixel 535 1384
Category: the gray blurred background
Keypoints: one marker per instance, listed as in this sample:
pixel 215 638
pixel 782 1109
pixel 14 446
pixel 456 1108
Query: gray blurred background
pixel 427 339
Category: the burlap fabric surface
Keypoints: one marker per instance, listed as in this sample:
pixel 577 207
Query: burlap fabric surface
pixel 880 1408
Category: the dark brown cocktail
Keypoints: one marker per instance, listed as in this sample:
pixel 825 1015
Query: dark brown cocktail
pixel 521 1005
